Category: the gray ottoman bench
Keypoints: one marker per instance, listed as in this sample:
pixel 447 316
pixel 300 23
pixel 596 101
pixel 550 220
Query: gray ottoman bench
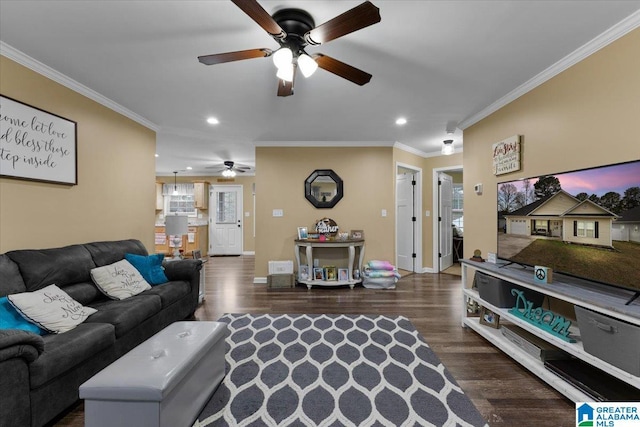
pixel 165 381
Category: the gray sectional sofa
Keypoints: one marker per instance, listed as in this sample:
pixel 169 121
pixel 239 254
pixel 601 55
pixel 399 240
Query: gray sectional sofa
pixel 40 375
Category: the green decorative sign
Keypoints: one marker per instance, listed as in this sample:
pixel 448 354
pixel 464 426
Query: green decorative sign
pixel 546 320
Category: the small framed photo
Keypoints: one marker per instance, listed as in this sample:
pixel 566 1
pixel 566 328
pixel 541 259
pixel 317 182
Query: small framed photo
pixel 473 308
pixel 303 233
pixel 357 234
pixel 303 274
pixel 318 273
pixel 489 318
pixel 343 274
pixel 197 254
pixel 330 273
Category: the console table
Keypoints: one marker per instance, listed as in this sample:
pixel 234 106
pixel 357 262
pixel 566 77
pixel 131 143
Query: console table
pixel 347 250
pixel 573 291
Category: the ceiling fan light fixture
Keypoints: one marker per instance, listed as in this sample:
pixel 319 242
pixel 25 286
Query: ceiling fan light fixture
pixel 228 173
pixel 447 147
pixel 283 57
pixel 285 73
pixel 307 65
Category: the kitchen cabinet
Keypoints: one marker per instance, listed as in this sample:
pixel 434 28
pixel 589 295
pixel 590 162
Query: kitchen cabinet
pixel 201 194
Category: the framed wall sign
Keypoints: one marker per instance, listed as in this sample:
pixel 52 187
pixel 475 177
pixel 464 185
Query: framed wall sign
pixel 506 155
pixel 37 145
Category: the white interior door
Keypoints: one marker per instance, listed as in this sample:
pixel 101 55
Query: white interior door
pixel 405 224
pixel 225 220
pixel 445 223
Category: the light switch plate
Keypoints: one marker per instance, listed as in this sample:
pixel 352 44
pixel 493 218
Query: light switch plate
pixel 247 214
pixel 278 212
pixel 384 212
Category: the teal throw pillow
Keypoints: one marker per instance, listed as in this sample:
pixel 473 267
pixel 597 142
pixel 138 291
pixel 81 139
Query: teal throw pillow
pixel 11 319
pixel 149 266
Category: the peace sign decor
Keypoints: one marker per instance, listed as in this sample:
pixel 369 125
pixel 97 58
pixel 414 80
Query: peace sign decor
pixel 542 274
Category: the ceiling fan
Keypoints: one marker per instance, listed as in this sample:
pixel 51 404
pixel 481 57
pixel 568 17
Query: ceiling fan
pixel 294 29
pixel 230 168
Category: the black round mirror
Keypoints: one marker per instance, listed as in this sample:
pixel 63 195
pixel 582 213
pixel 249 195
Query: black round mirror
pixel 323 188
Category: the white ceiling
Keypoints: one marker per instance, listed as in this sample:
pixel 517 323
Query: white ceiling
pixel 432 62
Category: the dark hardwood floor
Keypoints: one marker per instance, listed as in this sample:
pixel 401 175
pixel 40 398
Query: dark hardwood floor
pixel 505 393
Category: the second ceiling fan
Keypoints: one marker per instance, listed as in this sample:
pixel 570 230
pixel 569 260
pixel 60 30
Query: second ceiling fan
pixel 294 30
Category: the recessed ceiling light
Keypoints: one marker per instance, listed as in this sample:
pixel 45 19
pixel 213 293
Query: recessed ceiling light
pixel 157 155
pixel 213 121
pixel 189 168
pixel 401 121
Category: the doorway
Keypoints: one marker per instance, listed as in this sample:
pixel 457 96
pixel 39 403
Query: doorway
pixel 225 220
pixel 443 217
pixel 408 218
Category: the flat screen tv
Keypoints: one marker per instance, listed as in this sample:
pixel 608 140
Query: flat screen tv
pixel 583 223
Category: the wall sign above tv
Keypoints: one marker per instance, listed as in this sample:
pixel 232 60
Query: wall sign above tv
pixel 506 155
pixel 583 223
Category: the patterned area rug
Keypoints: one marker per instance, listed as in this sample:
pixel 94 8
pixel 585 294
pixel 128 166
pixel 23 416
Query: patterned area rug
pixel 333 370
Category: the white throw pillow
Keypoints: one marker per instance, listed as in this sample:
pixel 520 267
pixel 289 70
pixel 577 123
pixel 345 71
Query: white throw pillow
pixel 51 308
pixel 119 280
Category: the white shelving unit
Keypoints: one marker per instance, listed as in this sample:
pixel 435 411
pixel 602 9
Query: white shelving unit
pixel 574 291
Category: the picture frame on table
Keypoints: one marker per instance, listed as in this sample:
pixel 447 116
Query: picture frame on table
pixel 197 254
pixel 303 274
pixel 343 274
pixel 303 233
pixel 357 234
pixel 489 318
pixel 330 273
pixel 318 273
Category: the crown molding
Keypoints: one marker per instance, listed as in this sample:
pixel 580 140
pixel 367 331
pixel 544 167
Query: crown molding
pixel 623 27
pixel 341 144
pixel 40 68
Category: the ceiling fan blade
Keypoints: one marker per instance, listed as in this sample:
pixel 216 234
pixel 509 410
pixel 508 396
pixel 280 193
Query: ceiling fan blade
pixel 352 20
pixel 285 88
pixel 262 18
pixel 219 58
pixel 341 69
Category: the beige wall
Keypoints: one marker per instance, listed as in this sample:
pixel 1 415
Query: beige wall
pixel 368 175
pixel 247 182
pixel 369 186
pixel 115 195
pixel 586 116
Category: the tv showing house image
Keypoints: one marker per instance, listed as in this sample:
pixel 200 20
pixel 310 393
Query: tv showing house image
pixel 584 223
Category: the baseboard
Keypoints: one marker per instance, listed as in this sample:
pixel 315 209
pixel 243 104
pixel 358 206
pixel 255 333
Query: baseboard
pixel 249 253
pixel 259 280
pixel 428 270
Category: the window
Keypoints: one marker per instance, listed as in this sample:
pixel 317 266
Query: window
pixel 586 229
pixel 180 204
pixel 226 207
pixel 457 207
pixel 457 204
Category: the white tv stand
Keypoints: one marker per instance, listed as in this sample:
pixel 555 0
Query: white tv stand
pixel 599 298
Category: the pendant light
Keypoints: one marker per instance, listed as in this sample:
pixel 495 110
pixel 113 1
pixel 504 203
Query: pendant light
pixel 175 184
